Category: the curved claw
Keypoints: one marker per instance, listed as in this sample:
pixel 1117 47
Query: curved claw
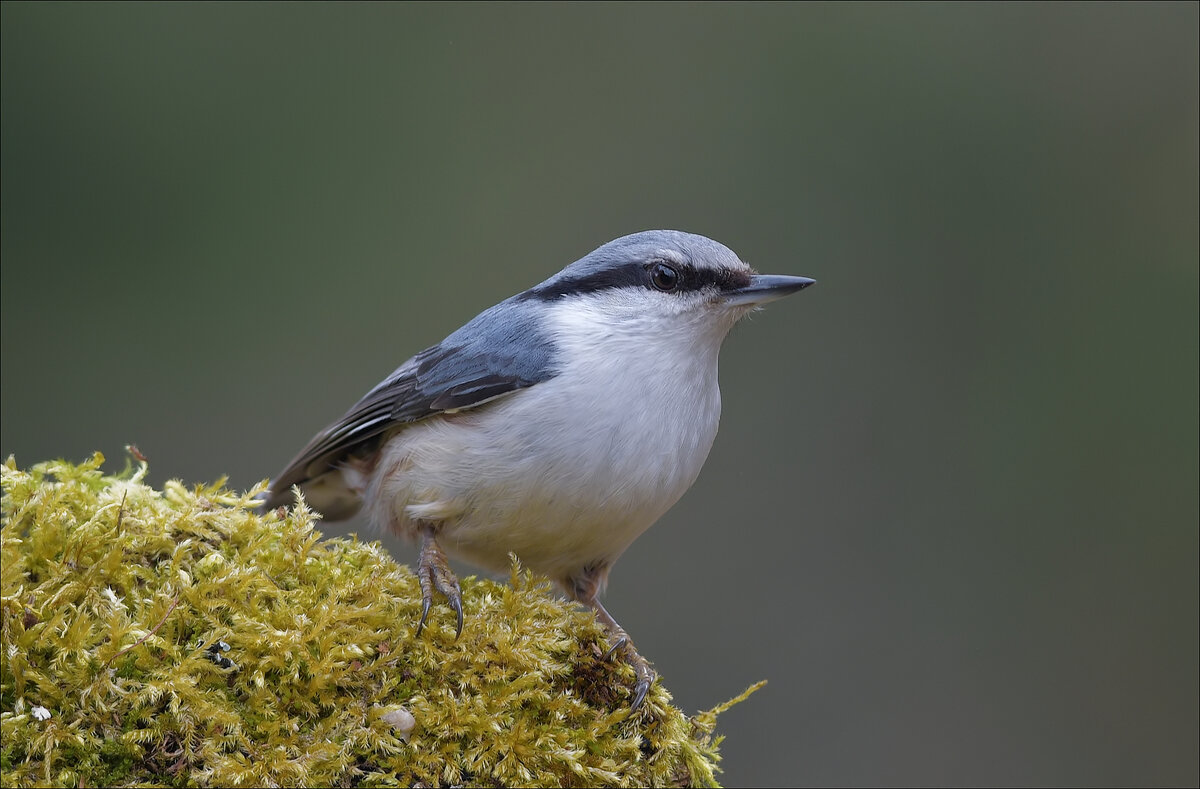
pixel 620 644
pixel 425 605
pixel 639 693
pixel 456 604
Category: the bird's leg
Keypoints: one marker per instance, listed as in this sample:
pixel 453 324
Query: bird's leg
pixel 433 570
pixel 585 588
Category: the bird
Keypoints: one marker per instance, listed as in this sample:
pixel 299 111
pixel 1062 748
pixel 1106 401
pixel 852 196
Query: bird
pixel 557 425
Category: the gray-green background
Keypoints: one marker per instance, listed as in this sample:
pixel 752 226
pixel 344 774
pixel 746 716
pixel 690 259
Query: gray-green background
pixel 952 511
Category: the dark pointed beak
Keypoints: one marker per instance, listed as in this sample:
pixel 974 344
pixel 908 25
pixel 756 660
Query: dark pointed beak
pixel 767 287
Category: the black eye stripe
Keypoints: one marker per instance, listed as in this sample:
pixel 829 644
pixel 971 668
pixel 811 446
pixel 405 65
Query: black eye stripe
pixel 691 278
pixel 640 274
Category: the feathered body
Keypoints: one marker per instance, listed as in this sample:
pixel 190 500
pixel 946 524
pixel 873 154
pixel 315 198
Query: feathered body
pixel 626 409
pixel 572 477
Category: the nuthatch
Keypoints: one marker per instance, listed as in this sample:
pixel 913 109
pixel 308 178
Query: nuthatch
pixel 557 425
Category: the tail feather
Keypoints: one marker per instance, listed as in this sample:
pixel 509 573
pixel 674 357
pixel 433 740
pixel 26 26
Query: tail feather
pixel 329 494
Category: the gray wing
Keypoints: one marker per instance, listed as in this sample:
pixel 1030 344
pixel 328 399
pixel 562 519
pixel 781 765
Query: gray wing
pixel 498 352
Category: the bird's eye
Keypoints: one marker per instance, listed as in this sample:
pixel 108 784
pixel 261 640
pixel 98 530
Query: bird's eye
pixel 664 277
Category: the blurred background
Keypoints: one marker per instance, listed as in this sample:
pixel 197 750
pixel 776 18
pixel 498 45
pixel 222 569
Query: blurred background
pixel 951 514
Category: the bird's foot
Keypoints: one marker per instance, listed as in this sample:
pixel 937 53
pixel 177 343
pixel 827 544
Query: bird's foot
pixel 585 587
pixel 433 571
pixel 641 667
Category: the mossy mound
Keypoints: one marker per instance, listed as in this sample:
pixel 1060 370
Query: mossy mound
pixel 175 638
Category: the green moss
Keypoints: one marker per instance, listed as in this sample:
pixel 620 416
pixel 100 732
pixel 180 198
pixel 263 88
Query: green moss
pixel 117 600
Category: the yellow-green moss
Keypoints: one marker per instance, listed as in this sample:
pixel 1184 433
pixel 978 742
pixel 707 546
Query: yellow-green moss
pixel 117 601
